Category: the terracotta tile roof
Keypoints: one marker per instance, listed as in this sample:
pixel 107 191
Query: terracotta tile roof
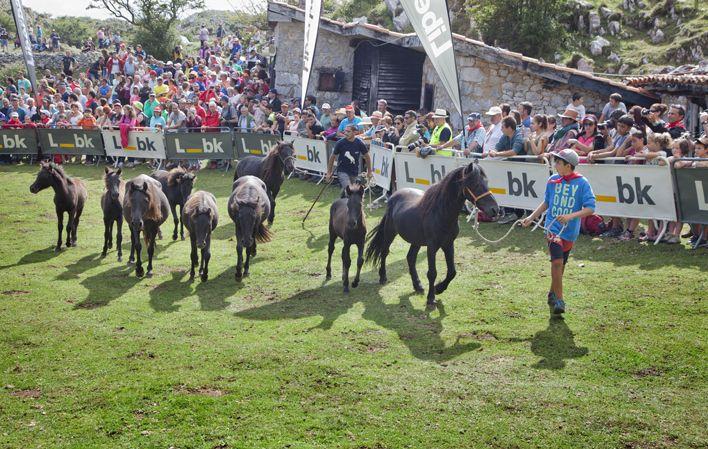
pixel 516 58
pixel 686 74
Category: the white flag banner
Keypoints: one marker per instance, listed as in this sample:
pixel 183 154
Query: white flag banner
pixel 313 9
pixel 25 42
pixel 431 21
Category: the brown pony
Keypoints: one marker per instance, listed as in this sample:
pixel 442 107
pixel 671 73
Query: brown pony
pixel 112 207
pixel 177 185
pixel 145 208
pixel 346 221
pixel 69 196
pixel 201 217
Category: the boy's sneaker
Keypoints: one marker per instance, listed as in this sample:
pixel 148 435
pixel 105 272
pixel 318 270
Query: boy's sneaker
pixel 551 301
pixel 611 233
pixel 507 218
pixel 558 307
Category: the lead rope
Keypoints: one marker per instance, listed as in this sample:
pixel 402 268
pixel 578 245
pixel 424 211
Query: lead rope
pixel 474 216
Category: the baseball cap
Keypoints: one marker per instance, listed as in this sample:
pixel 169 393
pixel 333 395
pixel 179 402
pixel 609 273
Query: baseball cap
pixel 569 156
pixel 326 106
pixel 494 110
pixel 474 116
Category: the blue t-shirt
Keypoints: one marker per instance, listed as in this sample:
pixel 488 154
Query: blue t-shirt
pixel 346 122
pixel 565 197
pixel 154 121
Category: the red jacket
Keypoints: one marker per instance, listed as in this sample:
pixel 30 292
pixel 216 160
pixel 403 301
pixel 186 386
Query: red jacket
pixel 211 120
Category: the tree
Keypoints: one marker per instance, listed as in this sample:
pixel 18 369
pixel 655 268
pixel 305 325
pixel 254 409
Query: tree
pixel 154 19
pixel 531 27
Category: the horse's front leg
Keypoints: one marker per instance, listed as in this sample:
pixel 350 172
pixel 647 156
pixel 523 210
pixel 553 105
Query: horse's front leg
pixel 175 219
pixel 239 262
pixel 249 252
pixel 150 250
pixel 271 216
pixel 411 258
pixel 359 263
pixel 131 258
pixel 106 234
pixel 451 272
pixel 119 237
pixel 432 274
pixel 206 255
pixel 193 255
pixel 139 271
pixel 110 233
pixel 60 228
pixel 181 224
pixel 330 250
pixel 346 263
pixel 69 227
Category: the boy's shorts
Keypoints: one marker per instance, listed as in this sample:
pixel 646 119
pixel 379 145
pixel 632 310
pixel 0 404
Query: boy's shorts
pixel 559 249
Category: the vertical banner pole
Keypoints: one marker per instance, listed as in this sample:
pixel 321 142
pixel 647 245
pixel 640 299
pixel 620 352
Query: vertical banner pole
pixel 313 9
pixel 21 25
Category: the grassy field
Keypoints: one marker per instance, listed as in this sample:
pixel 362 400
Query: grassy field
pixel 92 357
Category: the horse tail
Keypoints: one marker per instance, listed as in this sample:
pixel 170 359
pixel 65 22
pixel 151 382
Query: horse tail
pixel 377 242
pixel 263 234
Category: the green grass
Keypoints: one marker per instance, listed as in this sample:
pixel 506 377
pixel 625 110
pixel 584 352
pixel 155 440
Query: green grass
pixel 92 357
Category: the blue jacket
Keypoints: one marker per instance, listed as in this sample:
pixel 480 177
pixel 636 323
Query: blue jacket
pixel 565 197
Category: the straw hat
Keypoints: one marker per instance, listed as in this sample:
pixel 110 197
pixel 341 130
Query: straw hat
pixel 440 113
pixel 569 113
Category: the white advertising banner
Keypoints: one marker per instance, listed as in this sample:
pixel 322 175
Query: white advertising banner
pixel 310 154
pixel 382 156
pixel 25 42
pixel 141 144
pixel 516 184
pixel 312 25
pixel 421 173
pixel 631 191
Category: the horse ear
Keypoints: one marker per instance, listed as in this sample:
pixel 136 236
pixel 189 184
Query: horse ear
pixel 120 170
pixel 105 169
pixel 145 186
pixel 348 190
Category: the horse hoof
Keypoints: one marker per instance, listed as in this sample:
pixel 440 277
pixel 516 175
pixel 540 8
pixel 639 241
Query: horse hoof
pixel 139 272
pixel 110 246
pixel 382 281
pixel 120 258
pixel 205 277
pixel 346 289
pixel 328 276
pixel 430 304
pixel 148 274
pixel 355 284
pixel 130 262
pixel 245 274
pixel 174 238
pixel 440 289
pixel 103 254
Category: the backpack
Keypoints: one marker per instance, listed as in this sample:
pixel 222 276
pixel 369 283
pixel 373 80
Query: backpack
pixel 592 225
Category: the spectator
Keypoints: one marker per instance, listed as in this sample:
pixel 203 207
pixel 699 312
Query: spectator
pixel 676 126
pixel 525 111
pixel 559 140
pixel 411 133
pixel 615 104
pixel 348 152
pixel 589 139
pixel 382 106
pixel 245 121
pixel 620 141
pixel 157 122
pixel 441 133
pixel 577 105
pixel 350 119
pixel 324 116
pixel 494 131
pixel 538 139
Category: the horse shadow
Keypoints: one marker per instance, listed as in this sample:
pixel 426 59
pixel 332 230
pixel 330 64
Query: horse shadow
pixel 73 270
pixel 108 285
pixel 38 256
pixel 212 294
pixel 224 232
pixel 555 344
pixel 417 329
pixel 317 244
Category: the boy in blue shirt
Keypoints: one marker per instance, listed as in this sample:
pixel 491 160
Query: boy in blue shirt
pixel 568 198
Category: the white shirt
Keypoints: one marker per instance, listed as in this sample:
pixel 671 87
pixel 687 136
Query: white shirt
pixel 494 133
pixel 579 109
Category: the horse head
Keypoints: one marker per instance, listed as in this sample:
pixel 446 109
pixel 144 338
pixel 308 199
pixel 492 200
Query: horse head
pixel 286 153
pixel 355 200
pixel 139 203
pixel 476 190
pixel 112 180
pixel 185 183
pixel 248 219
pixel 45 177
pixel 202 224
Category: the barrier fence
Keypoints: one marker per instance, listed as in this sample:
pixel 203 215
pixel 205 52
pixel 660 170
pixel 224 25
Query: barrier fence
pixel 658 192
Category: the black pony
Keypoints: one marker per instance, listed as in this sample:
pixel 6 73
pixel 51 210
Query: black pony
pixel 69 196
pixel 177 185
pixel 346 221
pixel 272 169
pixel 112 207
pixel 249 207
pixel 145 208
pixel 201 216
pixel 430 219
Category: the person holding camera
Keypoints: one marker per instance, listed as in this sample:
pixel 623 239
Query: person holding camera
pixel 410 134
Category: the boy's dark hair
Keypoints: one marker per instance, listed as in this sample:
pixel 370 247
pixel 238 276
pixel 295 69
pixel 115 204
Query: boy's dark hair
pixel 615 96
pixel 505 108
pixel 527 106
pixel 627 120
pixel 564 162
pixel 577 96
pixel 509 122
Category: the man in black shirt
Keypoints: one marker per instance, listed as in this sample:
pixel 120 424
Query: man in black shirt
pixel 273 100
pixel 68 61
pixel 348 152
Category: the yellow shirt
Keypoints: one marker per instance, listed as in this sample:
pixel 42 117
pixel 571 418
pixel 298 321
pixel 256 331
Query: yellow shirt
pixel 161 90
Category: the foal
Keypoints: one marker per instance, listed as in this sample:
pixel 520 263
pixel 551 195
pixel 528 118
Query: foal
pixel 112 206
pixel 69 196
pixel 177 185
pixel 201 217
pixel 346 221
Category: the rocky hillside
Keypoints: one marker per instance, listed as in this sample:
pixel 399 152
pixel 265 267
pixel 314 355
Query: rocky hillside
pixel 606 36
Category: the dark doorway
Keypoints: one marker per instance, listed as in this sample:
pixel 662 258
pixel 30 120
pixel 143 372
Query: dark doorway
pixel 428 95
pixel 390 72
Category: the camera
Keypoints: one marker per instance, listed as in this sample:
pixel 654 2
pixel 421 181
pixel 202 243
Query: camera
pixel 607 124
pixel 645 111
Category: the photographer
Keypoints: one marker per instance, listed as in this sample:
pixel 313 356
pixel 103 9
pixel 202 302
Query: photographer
pixel 411 133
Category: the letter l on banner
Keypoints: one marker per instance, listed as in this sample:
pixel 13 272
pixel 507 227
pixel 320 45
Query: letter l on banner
pixel 313 8
pixel 21 26
pixel 431 22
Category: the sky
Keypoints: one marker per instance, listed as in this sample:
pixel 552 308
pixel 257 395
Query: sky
pixel 78 7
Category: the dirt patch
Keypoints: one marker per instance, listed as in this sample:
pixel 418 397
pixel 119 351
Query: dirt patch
pixel 16 292
pixel 34 393
pixel 478 335
pixel 141 355
pixel 201 391
pixel 651 371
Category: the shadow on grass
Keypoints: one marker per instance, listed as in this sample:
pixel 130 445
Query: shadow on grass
pixel 555 345
pixel 108 285
pixel 212 294
pixel 39 256
pixel 417 329
pixel 73 270
pixel 317 244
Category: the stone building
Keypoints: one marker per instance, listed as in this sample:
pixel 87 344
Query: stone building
pixel 366 62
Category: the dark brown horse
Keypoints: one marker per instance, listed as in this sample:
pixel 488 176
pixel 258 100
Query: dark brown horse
pixel 145 208
pixel 430 219
pixel 249 207
pixel 112 207
pixel 272 169
pixel 346 221
pixel 69 196
pixel 200 216
pixel 177 185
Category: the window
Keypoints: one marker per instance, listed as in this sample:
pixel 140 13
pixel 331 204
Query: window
pixel 327 82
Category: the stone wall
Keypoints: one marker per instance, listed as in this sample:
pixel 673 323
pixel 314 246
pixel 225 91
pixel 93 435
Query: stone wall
pixel 49 60
pixel 484 84
pixel 332 51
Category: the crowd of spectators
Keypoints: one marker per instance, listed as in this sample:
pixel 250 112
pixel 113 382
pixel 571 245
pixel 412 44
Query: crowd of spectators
pixel 228 84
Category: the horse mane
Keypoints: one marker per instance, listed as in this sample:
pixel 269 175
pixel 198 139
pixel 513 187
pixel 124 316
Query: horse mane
pixel 154 209
pixel 197 203
pixel 270 162
pixel 173 174
pixel 435 196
